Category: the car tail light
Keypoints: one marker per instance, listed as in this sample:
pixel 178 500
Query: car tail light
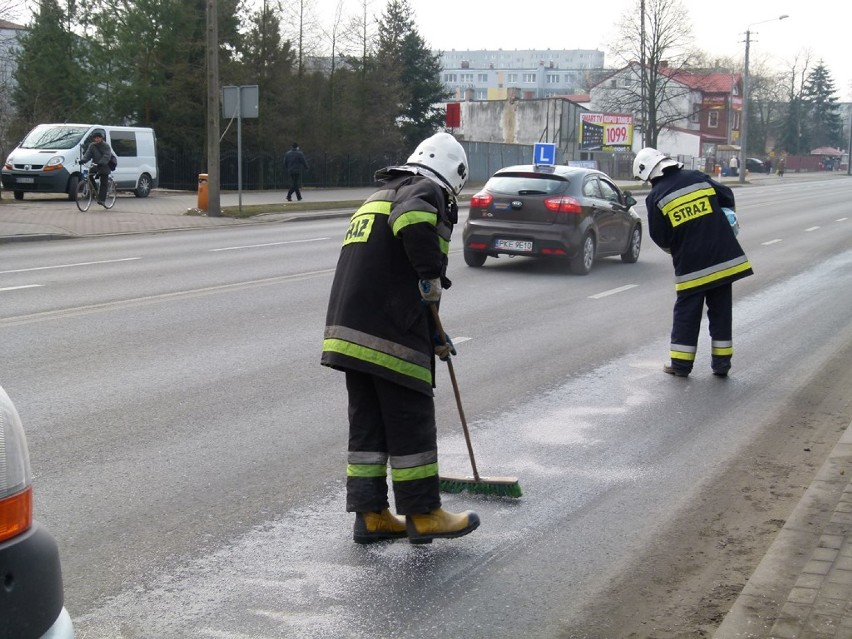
pixel 481 200
pixel 479 246
pixel 564 204
pixel 16 500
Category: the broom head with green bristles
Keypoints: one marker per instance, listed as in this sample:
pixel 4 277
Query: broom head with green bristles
pixel 496 486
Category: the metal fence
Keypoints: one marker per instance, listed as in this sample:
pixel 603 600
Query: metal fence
pixel 265 171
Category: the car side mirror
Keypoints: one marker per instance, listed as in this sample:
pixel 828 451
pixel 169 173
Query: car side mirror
pixel 629 200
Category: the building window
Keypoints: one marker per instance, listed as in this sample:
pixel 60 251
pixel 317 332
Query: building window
pixel 482 77
pixel 450 77
pixel 529 78
pixel 466 77
pixel 552 78
pixel 713 119
pixel 696 110
pixel 513 78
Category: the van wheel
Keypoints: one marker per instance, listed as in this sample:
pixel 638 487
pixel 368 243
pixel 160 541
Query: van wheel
pixel 143 188
pixel 72 187
pixel 19 195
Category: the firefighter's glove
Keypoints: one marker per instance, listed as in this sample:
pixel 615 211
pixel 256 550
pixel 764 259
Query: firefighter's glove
pixel 430 290
pixel 443 347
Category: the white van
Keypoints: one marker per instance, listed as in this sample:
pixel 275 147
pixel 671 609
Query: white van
pixel 48 159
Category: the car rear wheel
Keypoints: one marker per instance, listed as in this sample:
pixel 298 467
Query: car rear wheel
pixel 582 262
pixel 632 253
pixel 474 259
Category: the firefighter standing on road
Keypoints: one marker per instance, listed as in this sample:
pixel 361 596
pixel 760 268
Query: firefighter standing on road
pixel 379 331
pixel 685 218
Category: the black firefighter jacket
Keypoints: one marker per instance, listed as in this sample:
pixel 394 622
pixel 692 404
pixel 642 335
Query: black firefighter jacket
pixel 376 323
pixel 685 218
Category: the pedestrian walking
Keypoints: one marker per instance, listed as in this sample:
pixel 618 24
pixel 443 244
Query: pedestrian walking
pixel 685 219
pixel 295 163
pixel 781 166
pixel 381 334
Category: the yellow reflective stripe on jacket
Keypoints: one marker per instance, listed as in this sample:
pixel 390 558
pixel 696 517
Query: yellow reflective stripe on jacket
pixel 378 358
pixel 688 204
pixel 418 472
pixel 683 282
pixel 366 470
pixel 381 207
pixel 413 217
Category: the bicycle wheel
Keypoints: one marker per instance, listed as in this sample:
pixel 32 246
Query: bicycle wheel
pixel 110 195
pixel 84 196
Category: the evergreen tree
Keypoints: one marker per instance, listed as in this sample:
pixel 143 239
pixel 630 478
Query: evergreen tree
pixel 51 74
pixel 414 71
pixel 823 121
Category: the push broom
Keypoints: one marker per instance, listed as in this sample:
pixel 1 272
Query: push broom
pixel 498 486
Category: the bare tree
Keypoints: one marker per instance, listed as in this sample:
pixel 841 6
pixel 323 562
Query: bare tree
pixel 654 44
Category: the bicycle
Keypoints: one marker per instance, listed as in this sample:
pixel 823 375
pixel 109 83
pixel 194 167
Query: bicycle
pixel 87 190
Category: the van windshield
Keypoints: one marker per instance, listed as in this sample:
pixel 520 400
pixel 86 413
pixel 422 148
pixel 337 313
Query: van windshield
pixel 54 136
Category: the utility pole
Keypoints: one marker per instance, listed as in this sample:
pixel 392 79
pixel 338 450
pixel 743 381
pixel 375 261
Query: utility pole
pixel 744 125
pixel 645 139
pixel 213 203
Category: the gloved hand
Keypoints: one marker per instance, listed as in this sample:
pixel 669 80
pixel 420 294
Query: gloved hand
pixel 430 290
pixel 443 349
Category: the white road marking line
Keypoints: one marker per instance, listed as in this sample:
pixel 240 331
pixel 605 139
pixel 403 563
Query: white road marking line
pixel 841 219
pixel 771 242
pixel 44 268
pixel 15 288
pixel 155 299
pixel 249 246
pixel 813 228
pixel 613 291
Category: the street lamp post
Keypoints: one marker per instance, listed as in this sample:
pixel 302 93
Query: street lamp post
pixel 744 126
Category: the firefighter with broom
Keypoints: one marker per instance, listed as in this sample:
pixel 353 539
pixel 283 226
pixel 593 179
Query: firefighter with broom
pixel 380 332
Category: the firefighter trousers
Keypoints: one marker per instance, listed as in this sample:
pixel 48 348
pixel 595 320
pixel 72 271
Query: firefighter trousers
pixel 686 327
pixel 389 423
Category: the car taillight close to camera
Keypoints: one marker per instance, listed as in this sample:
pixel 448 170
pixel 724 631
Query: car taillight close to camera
pixel 563 204
pixel 16 500
pixel 481 200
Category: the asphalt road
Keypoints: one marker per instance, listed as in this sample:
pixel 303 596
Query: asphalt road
pixel 188 449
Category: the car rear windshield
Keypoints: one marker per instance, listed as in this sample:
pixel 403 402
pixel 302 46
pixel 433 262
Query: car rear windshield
pixel 526 184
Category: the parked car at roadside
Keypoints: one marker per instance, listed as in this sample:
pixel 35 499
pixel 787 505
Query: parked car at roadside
pixel 755 165
pixel 564 212
pixel 32 595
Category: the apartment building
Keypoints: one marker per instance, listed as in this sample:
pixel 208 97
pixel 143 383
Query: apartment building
pixel 531 73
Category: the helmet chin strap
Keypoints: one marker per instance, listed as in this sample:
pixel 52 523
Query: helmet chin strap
pixel 437 179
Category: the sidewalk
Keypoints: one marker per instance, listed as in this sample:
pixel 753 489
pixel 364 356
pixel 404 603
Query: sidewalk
pixel 53 216
pixel 802 589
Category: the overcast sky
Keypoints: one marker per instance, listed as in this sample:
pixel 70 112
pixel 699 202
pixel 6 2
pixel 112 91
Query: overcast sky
pixel 718 26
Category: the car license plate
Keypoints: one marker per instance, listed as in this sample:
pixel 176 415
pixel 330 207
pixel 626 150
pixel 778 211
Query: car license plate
pixel 514 245
pixel 25 180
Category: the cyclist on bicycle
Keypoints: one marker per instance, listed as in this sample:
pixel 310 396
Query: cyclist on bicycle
pixel 99 152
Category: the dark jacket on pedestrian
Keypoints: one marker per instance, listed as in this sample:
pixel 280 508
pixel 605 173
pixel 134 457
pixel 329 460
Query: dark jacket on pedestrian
pixel 685 218
pixel 376 322
pixel 294 160
pixel 100 154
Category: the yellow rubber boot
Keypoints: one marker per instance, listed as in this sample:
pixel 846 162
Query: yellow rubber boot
pixel 440 524
pixel 370 527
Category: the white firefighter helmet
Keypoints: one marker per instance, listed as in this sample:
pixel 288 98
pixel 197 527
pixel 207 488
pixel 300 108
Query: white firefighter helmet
pixel 650 162
pixel 444 156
